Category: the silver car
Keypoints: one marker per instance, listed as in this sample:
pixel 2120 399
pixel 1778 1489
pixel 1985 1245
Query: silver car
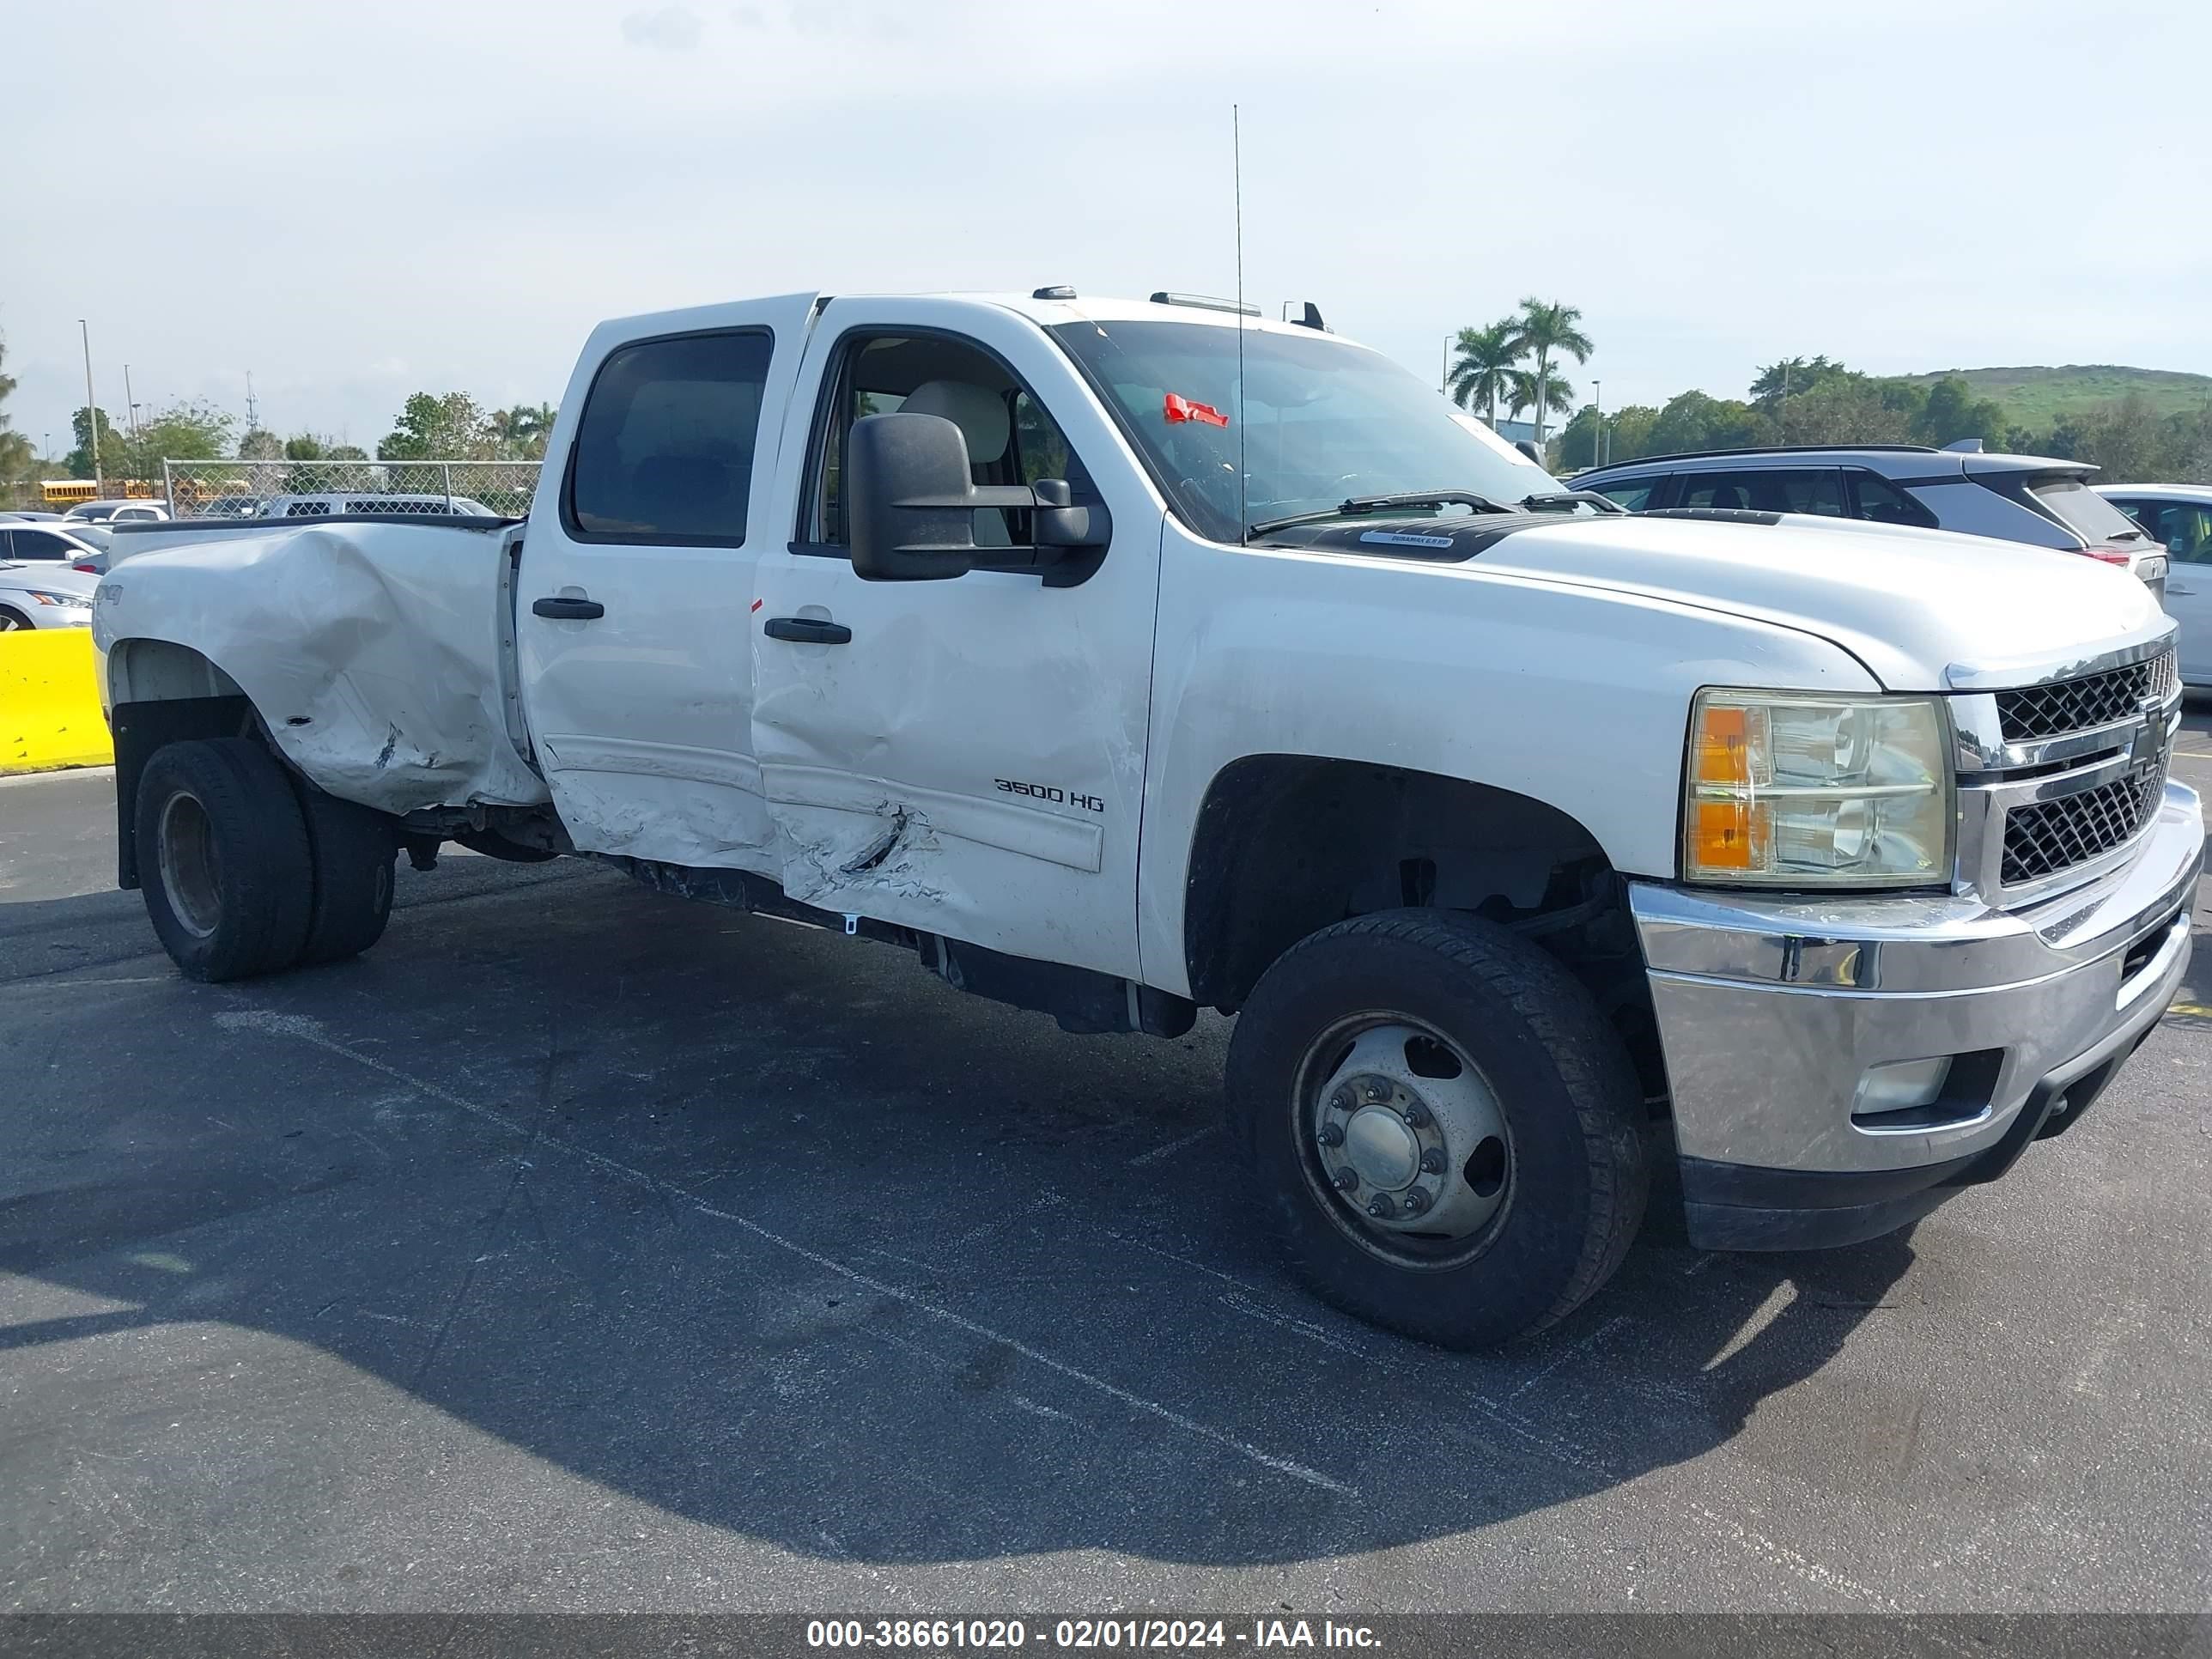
pixel 2178 517
pixel 44 596
pixel 2035 499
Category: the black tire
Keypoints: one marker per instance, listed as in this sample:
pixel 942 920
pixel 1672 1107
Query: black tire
pixel 1562 1083
pixel 353 850
pixel 12 621
pixel 218 822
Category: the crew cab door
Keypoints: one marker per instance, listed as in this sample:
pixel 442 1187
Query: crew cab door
pixel 637 570
pixel 962 756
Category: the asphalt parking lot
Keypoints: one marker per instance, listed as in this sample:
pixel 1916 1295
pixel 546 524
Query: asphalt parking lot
pixel 585 1248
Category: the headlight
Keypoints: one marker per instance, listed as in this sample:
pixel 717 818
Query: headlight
pixel 67 601
pixel 1799 789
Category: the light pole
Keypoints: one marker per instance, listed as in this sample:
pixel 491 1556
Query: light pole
pixel 131 403
pixel 1597 438
pixel 91 411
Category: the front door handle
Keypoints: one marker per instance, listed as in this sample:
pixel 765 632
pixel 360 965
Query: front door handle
pixel 567 610
pixel 807 630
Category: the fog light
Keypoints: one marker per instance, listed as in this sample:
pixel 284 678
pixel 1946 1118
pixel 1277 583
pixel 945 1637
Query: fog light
pixel 1901 1086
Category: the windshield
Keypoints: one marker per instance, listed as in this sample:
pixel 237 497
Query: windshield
pixel 1323 420
pixel 91 536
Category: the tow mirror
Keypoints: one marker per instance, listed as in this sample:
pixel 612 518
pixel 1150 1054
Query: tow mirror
pixel 910 505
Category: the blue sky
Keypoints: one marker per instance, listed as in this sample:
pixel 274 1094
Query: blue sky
pixel 359 203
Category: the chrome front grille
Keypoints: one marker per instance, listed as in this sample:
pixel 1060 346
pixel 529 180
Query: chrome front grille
pixel 2059 780
pixel 2054 835
pixel 2075 705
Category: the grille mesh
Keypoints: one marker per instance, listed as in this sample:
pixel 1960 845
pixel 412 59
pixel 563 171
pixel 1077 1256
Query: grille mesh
pixel 2056 835
pixel 2050 711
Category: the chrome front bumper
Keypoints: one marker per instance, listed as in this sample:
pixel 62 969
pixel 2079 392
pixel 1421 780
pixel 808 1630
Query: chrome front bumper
pixel 1771 1010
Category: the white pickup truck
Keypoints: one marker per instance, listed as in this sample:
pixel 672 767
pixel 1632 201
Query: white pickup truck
pixel 1125 657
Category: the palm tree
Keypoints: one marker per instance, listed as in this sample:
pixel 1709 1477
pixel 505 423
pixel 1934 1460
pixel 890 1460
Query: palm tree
pixel 1542 329
pixel 1482 372
pixel 1527 390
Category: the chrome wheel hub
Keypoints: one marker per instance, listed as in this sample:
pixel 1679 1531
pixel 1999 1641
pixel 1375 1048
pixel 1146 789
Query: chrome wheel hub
pixel 1409 1136
pixel 191 871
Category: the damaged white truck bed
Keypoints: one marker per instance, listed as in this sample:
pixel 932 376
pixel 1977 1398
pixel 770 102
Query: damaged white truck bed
pixel 1125 658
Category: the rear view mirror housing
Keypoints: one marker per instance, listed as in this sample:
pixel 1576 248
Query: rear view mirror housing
pixel 910 507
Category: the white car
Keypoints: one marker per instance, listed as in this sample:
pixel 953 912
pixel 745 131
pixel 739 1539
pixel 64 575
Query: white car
pixel 1505 822
pixel 57 544
pixel 123 512
pixel 44 596
pixel 360 503
pixel 2179 517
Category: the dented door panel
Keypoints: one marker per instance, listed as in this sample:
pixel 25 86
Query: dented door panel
pixel 971 762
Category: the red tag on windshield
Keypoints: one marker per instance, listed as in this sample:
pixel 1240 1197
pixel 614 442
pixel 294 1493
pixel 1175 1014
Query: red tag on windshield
pixel 1178 410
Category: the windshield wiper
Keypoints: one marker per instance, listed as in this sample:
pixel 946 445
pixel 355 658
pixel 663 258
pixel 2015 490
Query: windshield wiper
pixel 1358 506
pixel 1571 498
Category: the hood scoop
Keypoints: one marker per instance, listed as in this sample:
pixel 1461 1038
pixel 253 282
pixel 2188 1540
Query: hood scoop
pixel 1425 539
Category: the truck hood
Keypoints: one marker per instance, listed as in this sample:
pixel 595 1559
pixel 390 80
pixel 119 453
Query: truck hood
pixel 1913 605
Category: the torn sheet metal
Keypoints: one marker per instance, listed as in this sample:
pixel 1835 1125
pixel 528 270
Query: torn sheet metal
pixel 372 651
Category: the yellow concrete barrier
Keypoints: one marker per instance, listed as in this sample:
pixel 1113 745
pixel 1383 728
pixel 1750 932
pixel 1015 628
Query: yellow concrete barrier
pixel 50 701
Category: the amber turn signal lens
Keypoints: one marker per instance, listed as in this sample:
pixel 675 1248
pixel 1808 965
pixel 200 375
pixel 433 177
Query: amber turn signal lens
pixel 1727 835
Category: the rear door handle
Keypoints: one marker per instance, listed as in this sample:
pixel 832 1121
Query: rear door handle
pixel 562 610
pixel 807 630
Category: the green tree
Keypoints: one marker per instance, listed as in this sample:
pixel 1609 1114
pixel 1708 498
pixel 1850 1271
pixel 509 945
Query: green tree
pixel 1843 409
pixel 304 447
pixel 437 428
pixel 1952 412
pixel 1482 368
pixel 346 452
pixel 519 434
pixel 1626 432
pixel 1787 376
pixel 260 446
pixel 1558 395
pixel 80 463
pixel 1692 420
pixel 177 432
pixel 2126 441
pixel 1539 330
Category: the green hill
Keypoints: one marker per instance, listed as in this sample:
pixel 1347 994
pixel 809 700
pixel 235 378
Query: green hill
pixel 2035 397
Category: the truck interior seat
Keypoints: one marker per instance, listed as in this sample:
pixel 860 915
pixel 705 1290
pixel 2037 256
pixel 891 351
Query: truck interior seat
pixel 981 415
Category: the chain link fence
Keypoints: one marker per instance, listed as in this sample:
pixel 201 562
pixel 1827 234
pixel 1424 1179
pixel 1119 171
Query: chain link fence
pixel 316 490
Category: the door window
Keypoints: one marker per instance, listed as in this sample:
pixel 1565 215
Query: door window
pixel 1809 489
pixel 664 451
pixel 41 544
pixel 1879 501
pixel 1011 438
pixel 2184 528
pixel 1634 493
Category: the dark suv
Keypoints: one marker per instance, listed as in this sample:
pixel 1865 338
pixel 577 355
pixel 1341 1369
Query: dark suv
pixel 2015 498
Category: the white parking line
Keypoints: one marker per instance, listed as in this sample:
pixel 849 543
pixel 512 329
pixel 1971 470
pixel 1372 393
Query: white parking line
pixel 305 1030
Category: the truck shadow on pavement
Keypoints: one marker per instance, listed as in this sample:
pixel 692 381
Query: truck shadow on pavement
pixel 767 1231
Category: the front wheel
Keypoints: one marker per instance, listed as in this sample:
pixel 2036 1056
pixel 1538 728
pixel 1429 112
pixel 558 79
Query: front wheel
pixel 1446 1133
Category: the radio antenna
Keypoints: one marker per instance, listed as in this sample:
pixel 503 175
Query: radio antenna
pixel 1237 177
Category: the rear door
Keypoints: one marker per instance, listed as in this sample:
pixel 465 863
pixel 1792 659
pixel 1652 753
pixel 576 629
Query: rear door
pixel 636 575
